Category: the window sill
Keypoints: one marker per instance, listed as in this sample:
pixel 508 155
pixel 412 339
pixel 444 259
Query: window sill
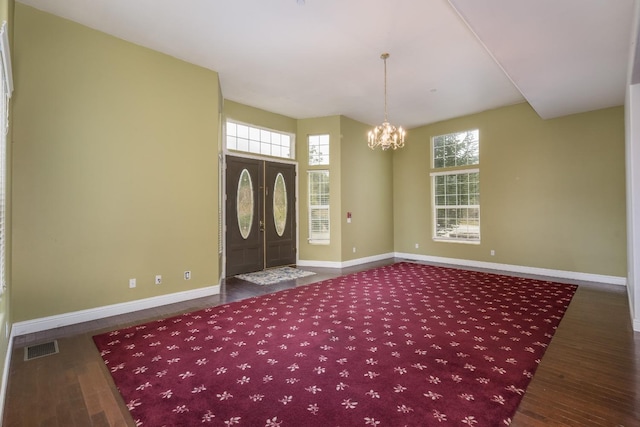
pixel 319 242
pixel 467 242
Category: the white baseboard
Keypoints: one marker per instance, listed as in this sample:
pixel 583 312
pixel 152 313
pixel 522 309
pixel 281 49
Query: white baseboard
pixel 343 264
pixel 65 319
pixel 366 260
pixel 561 274
pixel 324 264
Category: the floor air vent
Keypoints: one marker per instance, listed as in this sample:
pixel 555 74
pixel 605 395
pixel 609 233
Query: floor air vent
pixel 40 350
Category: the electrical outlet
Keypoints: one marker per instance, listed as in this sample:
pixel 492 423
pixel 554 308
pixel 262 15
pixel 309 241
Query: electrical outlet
pixel 354 249
pixel 132 283
pixel 187 275
pixel 417 245
pixel 158 279
pixel 493 253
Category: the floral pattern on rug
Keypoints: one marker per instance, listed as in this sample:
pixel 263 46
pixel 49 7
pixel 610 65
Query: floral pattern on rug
pixel 274 275
pixel 400 345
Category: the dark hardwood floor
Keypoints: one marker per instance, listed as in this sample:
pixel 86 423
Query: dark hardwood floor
pixel 589 376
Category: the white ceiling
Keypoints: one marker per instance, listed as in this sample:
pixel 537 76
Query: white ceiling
pixel 312 58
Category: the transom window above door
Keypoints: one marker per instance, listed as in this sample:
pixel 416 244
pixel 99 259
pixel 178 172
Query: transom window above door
pixel 252 139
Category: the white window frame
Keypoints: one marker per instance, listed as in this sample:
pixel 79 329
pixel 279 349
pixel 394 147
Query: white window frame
pixel 316 237
pixel 469 233
pixel 5 92
pixel 259 140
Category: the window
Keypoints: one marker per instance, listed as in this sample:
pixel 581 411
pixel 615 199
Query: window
pixel 266 142
pixel 456 187
pixel 319 224
pixel 456 149
pixel 6 87
pixel 318 150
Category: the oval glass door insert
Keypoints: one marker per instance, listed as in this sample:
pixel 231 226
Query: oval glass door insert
pixel 280 204
pixel 244 203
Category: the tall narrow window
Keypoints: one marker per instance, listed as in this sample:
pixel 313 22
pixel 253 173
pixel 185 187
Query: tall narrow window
pixel 245 203
pixel 455 187
pixel 319 224
pixel 5 94
pixel 280 202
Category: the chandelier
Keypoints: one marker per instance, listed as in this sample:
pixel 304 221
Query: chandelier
pixel 386 135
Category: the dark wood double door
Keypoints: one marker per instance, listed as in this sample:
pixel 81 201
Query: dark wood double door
pixel 260 215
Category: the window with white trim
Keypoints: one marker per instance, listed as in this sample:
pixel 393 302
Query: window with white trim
pixel 318 150
pixel 455 187
pixel 319 220
pixel 252 139
pixel 5 94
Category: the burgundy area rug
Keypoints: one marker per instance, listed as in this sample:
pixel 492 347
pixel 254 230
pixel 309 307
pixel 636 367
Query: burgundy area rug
pixel 401 345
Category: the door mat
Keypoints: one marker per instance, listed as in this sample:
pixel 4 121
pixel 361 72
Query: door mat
pixel 274 275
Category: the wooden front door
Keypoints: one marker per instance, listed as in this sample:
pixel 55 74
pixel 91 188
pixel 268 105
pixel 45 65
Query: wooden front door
pixel 280 218
pixel 260 215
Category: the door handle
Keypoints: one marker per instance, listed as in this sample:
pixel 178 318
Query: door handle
pixel 261 226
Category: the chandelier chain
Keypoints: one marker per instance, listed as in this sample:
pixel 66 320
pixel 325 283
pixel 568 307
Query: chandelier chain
pixel 384 57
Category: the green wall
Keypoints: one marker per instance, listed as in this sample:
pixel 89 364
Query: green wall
pixel 115 169
pixel 366 191
pixel 552 191
pixel 257 117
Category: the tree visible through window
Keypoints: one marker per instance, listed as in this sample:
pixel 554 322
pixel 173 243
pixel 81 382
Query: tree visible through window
pixel 456 187
pixel 318 150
